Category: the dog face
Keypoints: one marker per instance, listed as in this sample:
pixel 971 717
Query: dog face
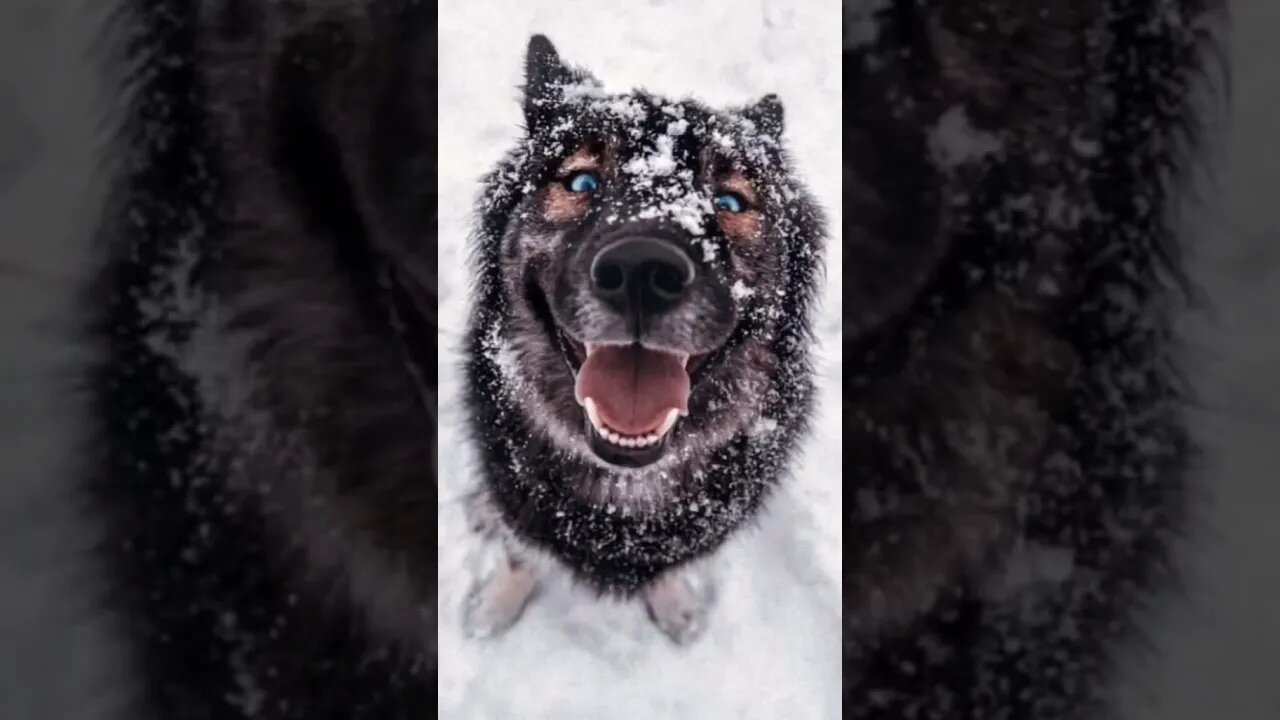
pixel 645 266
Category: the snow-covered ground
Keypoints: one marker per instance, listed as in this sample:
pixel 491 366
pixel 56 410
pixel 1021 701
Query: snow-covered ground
pixel 772 652
pixel 773 647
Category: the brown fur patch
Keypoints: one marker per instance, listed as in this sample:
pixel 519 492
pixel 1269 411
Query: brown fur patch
pixel 583 159
pixel 745 225
pixel 559 203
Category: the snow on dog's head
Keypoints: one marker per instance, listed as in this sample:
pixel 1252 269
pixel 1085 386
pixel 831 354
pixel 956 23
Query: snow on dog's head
pixel 646 269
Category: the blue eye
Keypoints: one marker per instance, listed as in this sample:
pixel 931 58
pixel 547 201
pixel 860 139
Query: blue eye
pixel 731 202
pixel 584 182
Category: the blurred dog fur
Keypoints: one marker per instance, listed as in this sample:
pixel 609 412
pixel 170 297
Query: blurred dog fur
pixel 264 418
pixel 1016 454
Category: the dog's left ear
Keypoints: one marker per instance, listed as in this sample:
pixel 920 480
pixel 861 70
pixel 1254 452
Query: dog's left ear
pixel 544 77
pixel 767 115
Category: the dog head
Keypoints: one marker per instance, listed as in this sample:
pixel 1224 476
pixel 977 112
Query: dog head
pixel 655 260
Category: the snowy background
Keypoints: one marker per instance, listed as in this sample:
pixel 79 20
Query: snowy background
pixel 772 650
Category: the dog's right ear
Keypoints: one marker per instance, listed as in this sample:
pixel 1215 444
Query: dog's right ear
pixel 766 114
pixel 545 76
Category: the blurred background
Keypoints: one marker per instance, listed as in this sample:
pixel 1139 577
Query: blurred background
pixel 55 651
pixel 1217 652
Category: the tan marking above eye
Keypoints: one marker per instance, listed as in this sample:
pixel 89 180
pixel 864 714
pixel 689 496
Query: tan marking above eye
pixel 583 159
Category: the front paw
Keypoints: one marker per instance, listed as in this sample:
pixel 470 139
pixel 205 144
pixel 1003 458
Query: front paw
pixel 679 606
pixel 496 602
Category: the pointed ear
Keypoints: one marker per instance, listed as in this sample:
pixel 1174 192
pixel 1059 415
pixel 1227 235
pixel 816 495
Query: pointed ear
pixel 543 72
pixel 766 113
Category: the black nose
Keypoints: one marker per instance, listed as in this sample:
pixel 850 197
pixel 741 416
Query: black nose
pixel 641 275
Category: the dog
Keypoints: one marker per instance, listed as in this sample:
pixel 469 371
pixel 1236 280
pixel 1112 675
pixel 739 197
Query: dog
pixel 263 426
pixel 1015 441
pixel 637 357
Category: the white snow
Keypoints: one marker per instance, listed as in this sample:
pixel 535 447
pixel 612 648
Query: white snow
pixel 772 648
pixel 955 141
pixel 740 291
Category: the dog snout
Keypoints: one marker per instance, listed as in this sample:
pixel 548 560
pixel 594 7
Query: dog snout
pixel 641 276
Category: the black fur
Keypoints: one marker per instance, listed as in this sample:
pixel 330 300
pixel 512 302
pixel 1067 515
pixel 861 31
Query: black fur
pixel 265 444
pixel 1015 446
pixel 540 471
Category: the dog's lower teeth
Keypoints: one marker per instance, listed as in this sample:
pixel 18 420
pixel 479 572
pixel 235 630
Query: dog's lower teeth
pixel 628 441
pixel 631 441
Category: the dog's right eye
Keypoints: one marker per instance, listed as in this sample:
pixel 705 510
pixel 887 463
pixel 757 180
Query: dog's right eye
pixel 584 181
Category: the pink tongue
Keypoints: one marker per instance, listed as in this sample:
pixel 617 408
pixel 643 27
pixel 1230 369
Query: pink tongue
pixel 633 388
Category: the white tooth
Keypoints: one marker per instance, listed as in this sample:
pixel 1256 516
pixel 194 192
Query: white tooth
pixel 628 442
pixel 672 415
pixel 592 414
pixel 590 347
pixel 684 359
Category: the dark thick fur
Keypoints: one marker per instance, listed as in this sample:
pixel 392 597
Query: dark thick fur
pixel 265 443
pixel 544 483
pixel 1016 454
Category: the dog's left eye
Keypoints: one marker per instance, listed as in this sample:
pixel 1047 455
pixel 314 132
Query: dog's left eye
pixel 583 182
pixel 732 202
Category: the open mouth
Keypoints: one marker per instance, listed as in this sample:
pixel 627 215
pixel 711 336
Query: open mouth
pixel 632 398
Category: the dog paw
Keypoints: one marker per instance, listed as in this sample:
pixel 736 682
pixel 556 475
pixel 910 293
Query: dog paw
pixel 679 607
pixel 496 602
